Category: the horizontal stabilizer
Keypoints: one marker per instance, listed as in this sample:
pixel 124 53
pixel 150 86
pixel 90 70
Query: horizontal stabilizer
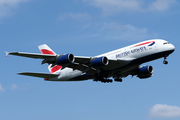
pixel 41 75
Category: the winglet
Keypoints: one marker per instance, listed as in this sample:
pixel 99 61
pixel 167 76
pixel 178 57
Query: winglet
pixel 6 53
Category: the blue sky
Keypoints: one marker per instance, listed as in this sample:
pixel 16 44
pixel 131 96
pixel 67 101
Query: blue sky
pixel 87 28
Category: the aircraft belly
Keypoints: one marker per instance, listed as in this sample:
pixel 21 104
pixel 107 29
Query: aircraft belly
pixel 151 57
pixel 69 74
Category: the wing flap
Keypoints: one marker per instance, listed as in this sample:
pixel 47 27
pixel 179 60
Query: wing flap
pixel 41 75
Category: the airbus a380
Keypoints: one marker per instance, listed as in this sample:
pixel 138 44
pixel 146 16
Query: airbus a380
pixel 115 65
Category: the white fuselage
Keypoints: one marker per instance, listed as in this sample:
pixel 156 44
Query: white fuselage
pixel 140 52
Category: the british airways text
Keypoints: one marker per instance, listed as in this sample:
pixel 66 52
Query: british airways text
pixel 137 50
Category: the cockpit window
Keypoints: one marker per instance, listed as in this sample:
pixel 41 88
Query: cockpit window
pixel 165 43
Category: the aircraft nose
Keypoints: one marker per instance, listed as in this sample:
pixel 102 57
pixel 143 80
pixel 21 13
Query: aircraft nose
pixel 172 47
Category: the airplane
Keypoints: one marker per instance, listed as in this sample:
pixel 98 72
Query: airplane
pixel 104 68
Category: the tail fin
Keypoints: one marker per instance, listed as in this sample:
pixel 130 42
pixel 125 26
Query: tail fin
pixel 47 50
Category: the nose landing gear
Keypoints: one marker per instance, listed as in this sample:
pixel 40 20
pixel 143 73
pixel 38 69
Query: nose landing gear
pixel 165 62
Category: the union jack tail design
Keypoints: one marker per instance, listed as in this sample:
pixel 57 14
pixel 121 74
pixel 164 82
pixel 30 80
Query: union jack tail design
pixel 44 49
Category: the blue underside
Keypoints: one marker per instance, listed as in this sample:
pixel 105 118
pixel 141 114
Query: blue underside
pixel 136 61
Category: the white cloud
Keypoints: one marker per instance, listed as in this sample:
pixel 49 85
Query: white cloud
pixel 113 6
pixel 119 31
pixel 11 2
pixel 7 6
pixel 1 88
pixel 14 86
pixel 161 5
pixel 75 16
pixel 164 111
pixel 109 6
pixel 115 31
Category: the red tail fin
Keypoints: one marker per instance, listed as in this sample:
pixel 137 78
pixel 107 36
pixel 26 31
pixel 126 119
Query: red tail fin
pixel 47 50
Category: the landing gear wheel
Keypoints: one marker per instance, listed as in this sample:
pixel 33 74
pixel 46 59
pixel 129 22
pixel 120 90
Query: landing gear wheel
pixel 102 79
pixel 165 62
pixel 106 81
pixel 118 79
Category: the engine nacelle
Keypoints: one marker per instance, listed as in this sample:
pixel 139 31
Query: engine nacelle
pixel 65 59
pixel 98 62
pixel 145 72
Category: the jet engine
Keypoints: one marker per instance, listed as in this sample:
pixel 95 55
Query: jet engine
pixel 145 72
pixel 65 59
pixel 100 61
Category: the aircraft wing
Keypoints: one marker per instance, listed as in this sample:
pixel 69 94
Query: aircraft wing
pixel 86 60
pixel 31 55
pixel 41 75
pixel 83 64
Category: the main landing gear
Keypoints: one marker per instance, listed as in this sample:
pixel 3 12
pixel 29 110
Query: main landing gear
pixel 106 80
pixel 165 62
pixel 118 79
pixel 103 80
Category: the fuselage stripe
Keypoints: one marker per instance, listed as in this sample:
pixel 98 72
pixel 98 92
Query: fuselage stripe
pixel 152 42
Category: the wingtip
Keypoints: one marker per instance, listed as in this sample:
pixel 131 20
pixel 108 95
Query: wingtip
pixel 6 53
pixel 22 73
